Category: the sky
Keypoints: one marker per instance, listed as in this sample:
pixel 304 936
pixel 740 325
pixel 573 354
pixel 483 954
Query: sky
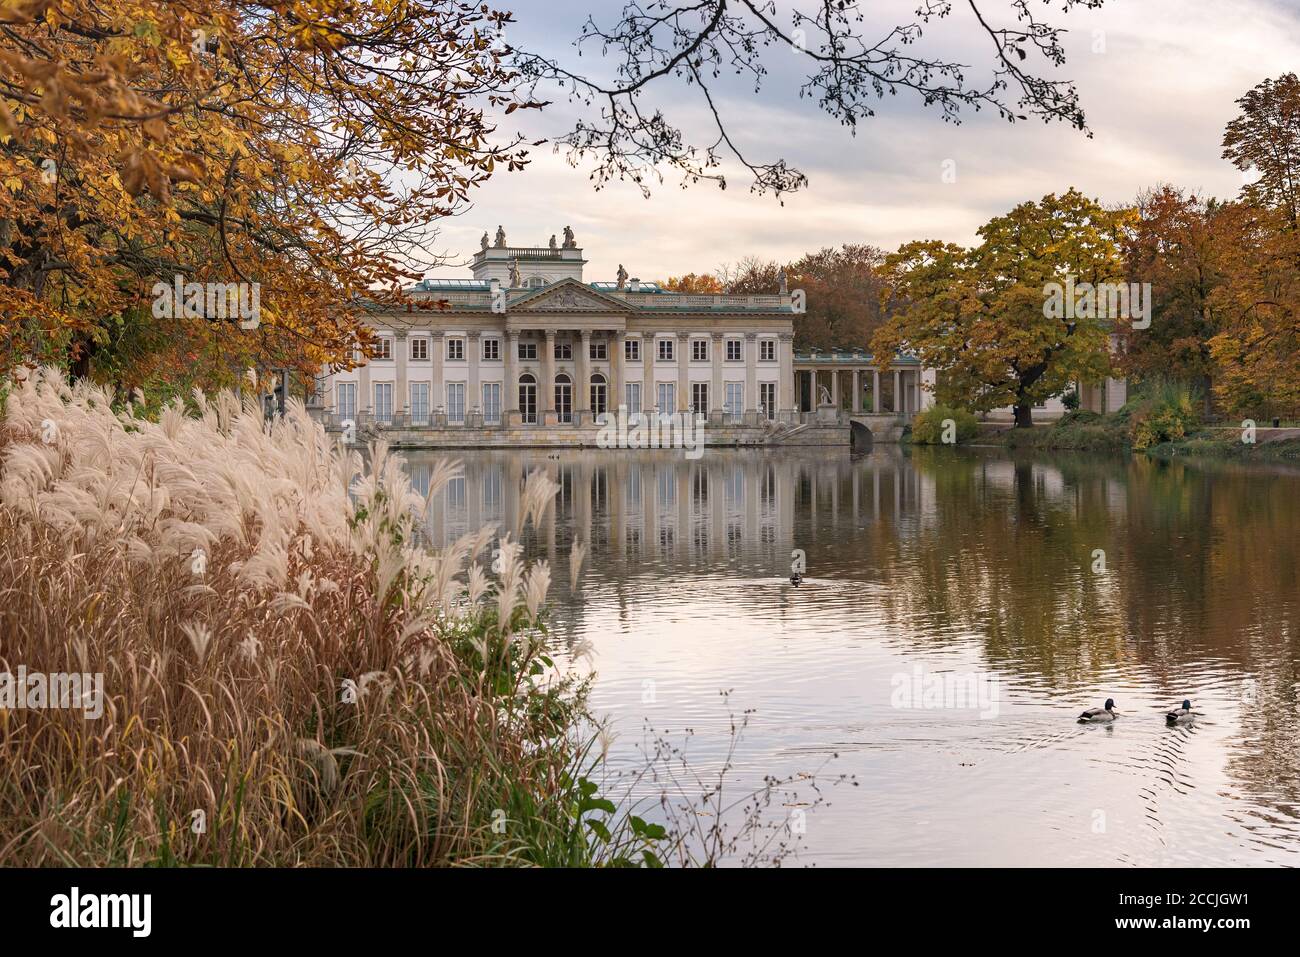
pixel 1157 79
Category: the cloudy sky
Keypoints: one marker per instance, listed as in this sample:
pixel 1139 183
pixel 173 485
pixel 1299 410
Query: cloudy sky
pixel 1157 78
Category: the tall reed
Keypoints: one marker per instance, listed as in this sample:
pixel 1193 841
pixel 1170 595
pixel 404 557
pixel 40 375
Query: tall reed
pixel 290 679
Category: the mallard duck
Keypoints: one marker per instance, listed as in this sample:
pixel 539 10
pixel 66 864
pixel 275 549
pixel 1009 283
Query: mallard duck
pixel 1099 715
pixel 795 578
pixel 1185 713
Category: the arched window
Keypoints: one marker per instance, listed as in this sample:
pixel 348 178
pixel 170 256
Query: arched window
pixel 563 398
pixel 528 399
pixel 599 392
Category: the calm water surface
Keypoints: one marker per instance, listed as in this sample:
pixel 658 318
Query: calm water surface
pixel 968 564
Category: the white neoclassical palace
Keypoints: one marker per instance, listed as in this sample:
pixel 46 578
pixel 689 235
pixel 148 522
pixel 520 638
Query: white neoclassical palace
pixel 528 343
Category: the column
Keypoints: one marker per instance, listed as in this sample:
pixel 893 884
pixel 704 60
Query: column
pixel 683 371
pixel 785 388
pixel 835 389
pixel 717 352
pixel 400 350
pixel 546 401
pixel 857 391
pixel 648 355
pixel 875 391
pixel 437 353
pixel 473 395
pixel 898 390
pixel 582 390
pixel 616 356
pixel 751 371
pixel 510 388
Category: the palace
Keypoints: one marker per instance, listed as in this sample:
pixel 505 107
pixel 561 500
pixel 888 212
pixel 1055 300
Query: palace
pixel 529 352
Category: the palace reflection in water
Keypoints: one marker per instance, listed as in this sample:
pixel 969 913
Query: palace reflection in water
pixel 1068 579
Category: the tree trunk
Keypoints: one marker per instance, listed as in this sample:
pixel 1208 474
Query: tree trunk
pixel 1024 415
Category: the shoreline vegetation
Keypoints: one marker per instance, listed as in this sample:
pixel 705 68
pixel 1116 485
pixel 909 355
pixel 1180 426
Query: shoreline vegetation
pixel 290 678
pixel 1162 421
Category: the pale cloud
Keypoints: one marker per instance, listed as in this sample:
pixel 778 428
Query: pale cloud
pixel 1157 100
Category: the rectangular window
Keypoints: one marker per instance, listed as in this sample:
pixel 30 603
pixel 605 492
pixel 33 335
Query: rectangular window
pixel 699 350
pixel 455 350
pixel 384 401
pixel 346 403
pixel 767 350
pixel 420 402
pixel 491 349
pixel 767 399
pixel 599 349
pixel 456 402
pixel 700 398
pixel 632 350
pixel 528 350
pixel 665 350
pixel 667 398
pixel 733 351
pixel 383 348
pixel 492 403
pixel 633 397
pixel 563 350
pixel 419 350
pixel 735 396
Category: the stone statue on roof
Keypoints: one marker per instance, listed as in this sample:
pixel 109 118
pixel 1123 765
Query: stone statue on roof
pixel 501 238
pixel 780 277
pixel 622 276
pixel 483 243
pixel 552 242
pixel 516 280
pixel 569 241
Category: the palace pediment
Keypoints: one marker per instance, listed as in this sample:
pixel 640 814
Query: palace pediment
pixel 568 295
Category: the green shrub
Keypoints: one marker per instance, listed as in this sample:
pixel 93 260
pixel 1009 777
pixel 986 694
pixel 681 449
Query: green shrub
pixel 1070 400
pixel 929 427
pixel 1165 411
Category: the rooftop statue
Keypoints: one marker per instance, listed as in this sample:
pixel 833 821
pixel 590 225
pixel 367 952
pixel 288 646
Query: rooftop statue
pixel 516 280
pixel 483 243
pixel 622 276
pixel 569 241
pixel 501 238
pixel 552 241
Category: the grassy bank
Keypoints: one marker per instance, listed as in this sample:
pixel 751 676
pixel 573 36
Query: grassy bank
pixel 1090 432
pixel 287 678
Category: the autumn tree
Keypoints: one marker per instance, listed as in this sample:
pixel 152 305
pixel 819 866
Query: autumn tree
pixel 705 284
pixel 1257 348
pixel 843 289
pixel 309 146
pixel 984 317
pixel 1265 140
pixel 1172 244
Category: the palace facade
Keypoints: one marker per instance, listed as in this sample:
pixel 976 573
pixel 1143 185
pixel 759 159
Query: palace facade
pixel 527 343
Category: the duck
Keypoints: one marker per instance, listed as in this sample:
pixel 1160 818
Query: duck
pixel 1185 713
pixel 1099 715
pixel 796 578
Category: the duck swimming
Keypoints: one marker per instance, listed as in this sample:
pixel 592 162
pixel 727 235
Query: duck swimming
pixel 1099 715
pixel 795 578
pixel 1185 713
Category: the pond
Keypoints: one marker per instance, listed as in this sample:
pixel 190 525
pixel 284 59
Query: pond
pixel 958 610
